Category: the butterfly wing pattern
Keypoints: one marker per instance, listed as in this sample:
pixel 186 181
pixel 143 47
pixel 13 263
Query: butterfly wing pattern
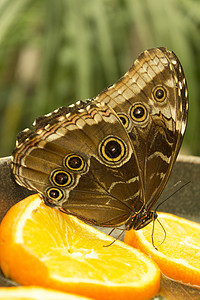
pixel 107 160
pixel 151 100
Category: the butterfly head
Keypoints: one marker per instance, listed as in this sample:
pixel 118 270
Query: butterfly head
pixel 140 220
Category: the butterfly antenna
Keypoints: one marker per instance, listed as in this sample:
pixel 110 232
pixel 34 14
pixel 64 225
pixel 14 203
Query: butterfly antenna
pixel 171 195
pixel 154 219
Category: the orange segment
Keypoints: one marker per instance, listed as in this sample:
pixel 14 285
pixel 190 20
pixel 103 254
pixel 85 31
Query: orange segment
pixel 35 293
pixel 178 256
pixel 42 246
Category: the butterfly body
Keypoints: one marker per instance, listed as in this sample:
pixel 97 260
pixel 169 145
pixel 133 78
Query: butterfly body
pixel 107 160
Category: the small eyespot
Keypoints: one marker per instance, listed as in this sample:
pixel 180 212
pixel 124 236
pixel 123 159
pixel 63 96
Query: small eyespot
pixel 61 178
pixel 54 194
pixel 138 112
pixel 159 93
pixel 74 162
pixel 112 149
pixel 124 119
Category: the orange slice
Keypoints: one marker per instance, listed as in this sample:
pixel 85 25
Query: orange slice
pixel 178 256
pixel 35 293
pixel 42 246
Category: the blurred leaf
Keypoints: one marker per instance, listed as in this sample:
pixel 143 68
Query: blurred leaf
pixel 53 53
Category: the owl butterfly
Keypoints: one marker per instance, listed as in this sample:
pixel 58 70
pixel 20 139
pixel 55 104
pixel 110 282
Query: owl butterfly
pixel 107 160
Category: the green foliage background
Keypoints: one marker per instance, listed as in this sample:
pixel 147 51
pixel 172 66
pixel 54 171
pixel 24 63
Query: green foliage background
pixel 53 53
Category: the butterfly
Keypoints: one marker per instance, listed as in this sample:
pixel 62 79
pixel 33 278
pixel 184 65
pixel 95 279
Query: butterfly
pixel 107 160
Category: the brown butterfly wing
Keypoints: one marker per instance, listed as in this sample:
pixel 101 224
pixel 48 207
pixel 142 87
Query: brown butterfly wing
pixel 87 162
pixel 67 160
pixel 157 135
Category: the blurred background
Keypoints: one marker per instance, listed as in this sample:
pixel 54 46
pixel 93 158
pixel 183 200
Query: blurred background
pixel 53 53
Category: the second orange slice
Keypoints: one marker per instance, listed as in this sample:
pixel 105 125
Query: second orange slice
pixel 177 254
pixel 42 246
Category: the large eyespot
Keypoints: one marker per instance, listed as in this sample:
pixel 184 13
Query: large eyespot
pixel 124 119
pixel 112 149
pixel 159 93
pixel 54 194
pixel 138 112
pixel 74 162
pixel 61 178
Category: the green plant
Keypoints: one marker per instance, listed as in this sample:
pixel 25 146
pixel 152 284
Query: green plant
pixel 53 53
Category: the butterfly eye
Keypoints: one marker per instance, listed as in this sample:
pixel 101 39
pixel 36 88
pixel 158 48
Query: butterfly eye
pixel 112 149
pixel 159 93
pixel 61 178
pixel 54 194
pixel 124 119
pixel 74 162
pixel 138 112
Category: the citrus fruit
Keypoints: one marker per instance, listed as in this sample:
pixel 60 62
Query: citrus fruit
pixel 42 246
pixel 35 293
pixel 177 254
